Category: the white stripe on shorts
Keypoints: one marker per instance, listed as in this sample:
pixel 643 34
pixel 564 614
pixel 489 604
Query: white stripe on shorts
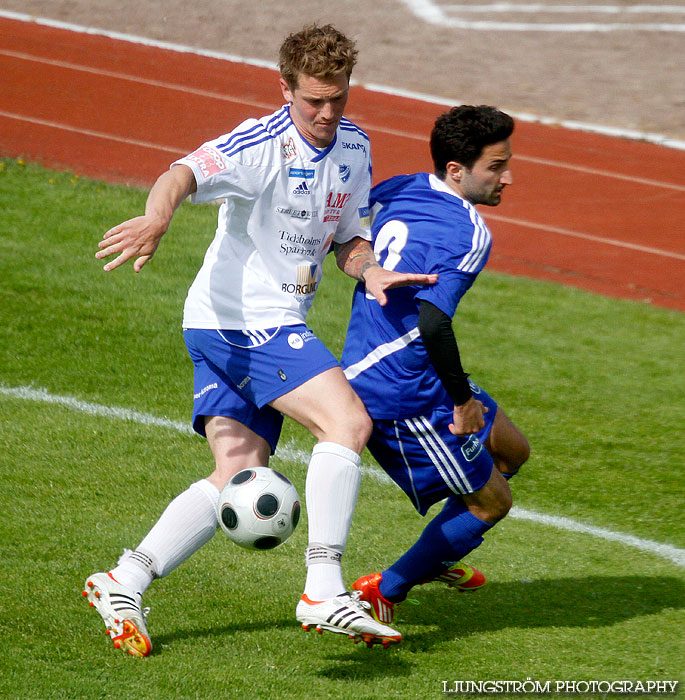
pixel 441 456
pixel 256 338
pixel 417 500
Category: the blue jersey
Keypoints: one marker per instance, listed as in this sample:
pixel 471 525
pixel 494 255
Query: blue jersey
pixel 420 225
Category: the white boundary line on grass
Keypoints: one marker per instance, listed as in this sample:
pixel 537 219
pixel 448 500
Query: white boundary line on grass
pixel 290 452
pixel 616 132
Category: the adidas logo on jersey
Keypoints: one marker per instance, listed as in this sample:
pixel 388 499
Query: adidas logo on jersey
pixel 302 189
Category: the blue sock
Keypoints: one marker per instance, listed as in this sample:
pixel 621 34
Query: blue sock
pixel 450 536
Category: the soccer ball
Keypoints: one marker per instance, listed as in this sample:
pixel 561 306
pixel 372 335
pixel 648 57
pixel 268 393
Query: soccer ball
pixel 259 508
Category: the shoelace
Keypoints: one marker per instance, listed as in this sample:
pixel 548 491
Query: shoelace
pixel 359 605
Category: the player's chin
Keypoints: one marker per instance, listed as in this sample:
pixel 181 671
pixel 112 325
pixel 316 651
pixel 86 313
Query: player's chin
pixel 328 128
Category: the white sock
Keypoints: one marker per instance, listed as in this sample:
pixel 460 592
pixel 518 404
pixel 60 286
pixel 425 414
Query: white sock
pixel 331 490
pixel 188 522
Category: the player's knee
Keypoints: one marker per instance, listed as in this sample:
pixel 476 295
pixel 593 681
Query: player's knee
pixel 358 427
pixel 492 503
pixel 498 505
pixel 351 428
pixel 522 453
pixel 503 505
pixel 509 464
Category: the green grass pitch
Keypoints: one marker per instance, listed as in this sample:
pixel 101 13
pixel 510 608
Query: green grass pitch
pixel 597 385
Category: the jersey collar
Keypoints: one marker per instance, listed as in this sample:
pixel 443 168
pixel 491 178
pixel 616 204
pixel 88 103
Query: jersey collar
pixel 437 184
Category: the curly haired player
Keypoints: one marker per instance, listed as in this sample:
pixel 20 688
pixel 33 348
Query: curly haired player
pixel 293 183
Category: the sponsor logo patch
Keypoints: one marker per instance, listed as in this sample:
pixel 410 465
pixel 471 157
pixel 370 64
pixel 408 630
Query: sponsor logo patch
pixel 302 189
pixel 295 342
pixel 209 160
pixel 244 383
pixel 301 172
pixel 307 281
pixel 364 217
pixel 471 448
pixel 302 214
pixel 354 147
pixel 334 205
pixel 297 244
pixel 205 389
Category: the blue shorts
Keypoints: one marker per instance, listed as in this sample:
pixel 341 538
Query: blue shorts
pixel 427 461
pixel 237 373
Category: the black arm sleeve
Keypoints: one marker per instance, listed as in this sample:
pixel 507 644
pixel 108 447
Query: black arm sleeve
pixel 435 328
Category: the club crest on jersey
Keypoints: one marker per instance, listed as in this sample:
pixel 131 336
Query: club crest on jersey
pixel 344 172
pixel 288 149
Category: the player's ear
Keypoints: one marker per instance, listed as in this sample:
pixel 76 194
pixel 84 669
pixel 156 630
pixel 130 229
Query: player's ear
pixel 285 89
pixel 454 170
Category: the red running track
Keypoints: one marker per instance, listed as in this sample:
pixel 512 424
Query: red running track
pixel 599 213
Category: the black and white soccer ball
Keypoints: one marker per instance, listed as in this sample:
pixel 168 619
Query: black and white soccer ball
pixel 259 508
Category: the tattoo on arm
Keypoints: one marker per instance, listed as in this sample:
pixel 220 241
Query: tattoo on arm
pixel 355 258
pixel 365 267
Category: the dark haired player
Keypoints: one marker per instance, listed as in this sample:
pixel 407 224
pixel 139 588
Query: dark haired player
pixel 436 433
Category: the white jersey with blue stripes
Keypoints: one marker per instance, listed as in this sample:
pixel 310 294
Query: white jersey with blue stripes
pixel 419 225
pixel 285 202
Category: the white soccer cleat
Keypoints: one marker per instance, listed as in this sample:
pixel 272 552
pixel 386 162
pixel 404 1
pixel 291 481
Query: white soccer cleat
pixel 121 610
pixel 345 614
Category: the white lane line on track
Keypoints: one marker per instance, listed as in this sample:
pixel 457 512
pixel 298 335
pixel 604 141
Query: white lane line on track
pixel 546 161
pixel 439 15
pixel 570 124
pixel 616 132
pixel 586 236
pixel 269 106
pixel 90 132
pixel 101 72
pixel 537 8
pixel 292 453
pixel 496 217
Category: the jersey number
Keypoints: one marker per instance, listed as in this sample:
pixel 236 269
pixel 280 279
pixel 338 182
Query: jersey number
pixel 391 239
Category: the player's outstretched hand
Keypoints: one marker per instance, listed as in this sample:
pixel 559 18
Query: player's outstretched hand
pixel 468 418
pixel 136 238
pixel 378 280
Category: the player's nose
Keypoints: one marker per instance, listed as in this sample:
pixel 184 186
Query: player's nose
pixel 507 178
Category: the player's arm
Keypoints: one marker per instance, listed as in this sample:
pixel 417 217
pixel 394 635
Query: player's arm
pixel 435 327
pixel 356 259
pixel 139 237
